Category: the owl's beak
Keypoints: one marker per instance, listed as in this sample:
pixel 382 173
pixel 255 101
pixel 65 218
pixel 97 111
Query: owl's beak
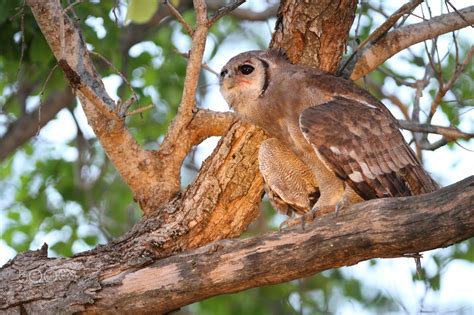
pixel 227 82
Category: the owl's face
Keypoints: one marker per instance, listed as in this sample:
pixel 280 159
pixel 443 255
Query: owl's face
pixel 243 78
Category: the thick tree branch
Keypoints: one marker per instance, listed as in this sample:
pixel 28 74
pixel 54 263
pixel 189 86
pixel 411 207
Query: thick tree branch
pixel 154 177
pixel 70 50
pixel 96 283
pixel 207 123
pixel 395 41
pixel 25 127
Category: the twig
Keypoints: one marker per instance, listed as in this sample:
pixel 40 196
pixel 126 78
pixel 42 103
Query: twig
pixel 70 6
pixel 203 65
pixel 187 108
pixel 245 14
pixel 396 77
pixel 463 146
pixel 117 71
pixel 140 110
pixel 390 22
pixel 21 12
pixel 41 95
pixel 444 88
pixel 425 145
pixel 379 32
pixel 121 107
pixel 223 11
pixel 459 13
pixel 116 6
pixel 179 17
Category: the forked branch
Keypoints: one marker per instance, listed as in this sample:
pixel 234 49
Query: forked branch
pixel 395 41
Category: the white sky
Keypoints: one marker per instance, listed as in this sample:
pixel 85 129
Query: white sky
pixel 392 275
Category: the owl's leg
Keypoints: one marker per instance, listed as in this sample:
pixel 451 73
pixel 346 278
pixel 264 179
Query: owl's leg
pixel 324 206
pixel 277 203
pixel 350 197
pixel 315 212
pixel 289 183
pixel 331 192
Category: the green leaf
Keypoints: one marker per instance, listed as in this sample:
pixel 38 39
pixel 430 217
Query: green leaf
pixel 141 11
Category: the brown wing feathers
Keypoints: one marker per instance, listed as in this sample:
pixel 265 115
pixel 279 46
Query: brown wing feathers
pixel 363 145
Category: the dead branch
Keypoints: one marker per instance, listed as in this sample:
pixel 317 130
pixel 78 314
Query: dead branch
pixel 445 87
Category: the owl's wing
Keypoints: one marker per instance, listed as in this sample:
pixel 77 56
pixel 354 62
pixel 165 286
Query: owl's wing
pixel 362 144
pixel 290 184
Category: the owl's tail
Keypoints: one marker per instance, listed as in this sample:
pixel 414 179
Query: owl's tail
pixel 420 182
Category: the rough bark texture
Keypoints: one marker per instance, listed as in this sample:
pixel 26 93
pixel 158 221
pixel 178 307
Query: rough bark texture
pixel 314 33
pixel 96 282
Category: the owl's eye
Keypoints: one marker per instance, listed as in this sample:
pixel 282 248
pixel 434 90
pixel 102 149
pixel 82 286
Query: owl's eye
pixel 246 69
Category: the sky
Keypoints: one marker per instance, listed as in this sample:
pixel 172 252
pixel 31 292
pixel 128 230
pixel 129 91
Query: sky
pixel 394 276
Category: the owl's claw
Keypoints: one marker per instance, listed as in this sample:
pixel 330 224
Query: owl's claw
pixel 342 204
pixel 316 211
pixel 292 222
pixel 301 220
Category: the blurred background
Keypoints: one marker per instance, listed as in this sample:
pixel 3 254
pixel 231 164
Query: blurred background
pixel 57 186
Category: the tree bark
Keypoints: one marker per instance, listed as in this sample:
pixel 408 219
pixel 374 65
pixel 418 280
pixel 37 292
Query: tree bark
pixel 96 282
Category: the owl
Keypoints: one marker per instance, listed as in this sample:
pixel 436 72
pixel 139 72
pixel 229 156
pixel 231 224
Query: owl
pixel 331 143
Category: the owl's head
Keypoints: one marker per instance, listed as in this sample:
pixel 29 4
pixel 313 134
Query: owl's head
pixel 246 77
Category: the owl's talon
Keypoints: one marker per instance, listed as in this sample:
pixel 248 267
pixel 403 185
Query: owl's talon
pixel 301 220
pixel 342 204
pixel 289 223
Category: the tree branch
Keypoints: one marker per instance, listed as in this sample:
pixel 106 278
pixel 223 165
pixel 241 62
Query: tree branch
pixel 95 283
pixel 227 191
pixel 207 123
pixel 25 127
pixel 179 17
pixel 154 177
pixel 379 32
pixel 224 11
pixel 145 179
pixel 243 14
pixel 395 41
pixel 450 133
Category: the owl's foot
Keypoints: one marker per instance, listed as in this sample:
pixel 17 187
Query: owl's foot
pixel 316 211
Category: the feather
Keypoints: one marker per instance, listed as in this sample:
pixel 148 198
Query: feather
pixel 371 153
